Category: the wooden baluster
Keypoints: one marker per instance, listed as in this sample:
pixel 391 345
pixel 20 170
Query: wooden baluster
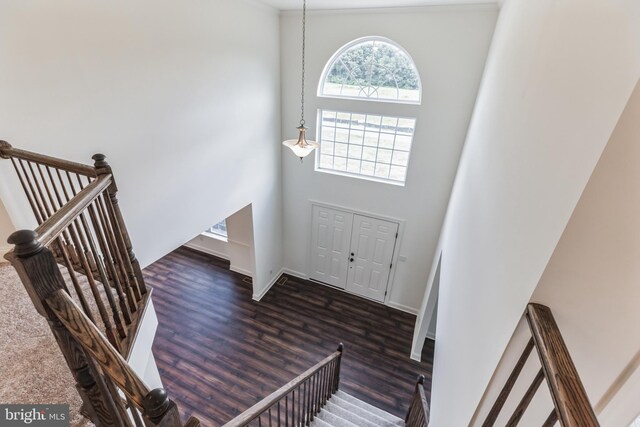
pixel 314 398
pixel 38 201
pixel 65 244
pixel 103 276
pixel 526 399
pixel 29 195
pixel 304 403
pixel 293 407
pixel 103 168
pixel 278 413
pixel 82 255
pixel 286 410
pixel 41 193
pixel 308 407
pixel 309 400
pixel 328 380
pixel 47 189
pixel 107 258
pixel 508 386
pixel 552 419
pixel 117 256
pixel 37 268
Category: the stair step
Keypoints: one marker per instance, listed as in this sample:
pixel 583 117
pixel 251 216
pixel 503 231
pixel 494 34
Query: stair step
pixel 352 416
pixel 319 422
pixel 344 410
pixel 332 419
pixel 370 408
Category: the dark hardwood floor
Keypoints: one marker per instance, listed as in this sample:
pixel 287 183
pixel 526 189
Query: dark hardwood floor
pixel 219 352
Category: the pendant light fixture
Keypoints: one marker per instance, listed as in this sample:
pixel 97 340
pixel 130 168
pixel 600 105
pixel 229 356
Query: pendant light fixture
pixel 301 147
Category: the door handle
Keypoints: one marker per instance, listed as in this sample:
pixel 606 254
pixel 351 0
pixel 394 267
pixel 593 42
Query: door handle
pixel 351 259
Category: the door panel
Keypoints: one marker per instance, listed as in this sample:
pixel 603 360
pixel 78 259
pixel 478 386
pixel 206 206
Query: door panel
pixel 373 245
pixel 330 241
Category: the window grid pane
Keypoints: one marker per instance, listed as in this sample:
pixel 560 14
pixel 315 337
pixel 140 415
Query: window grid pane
pixel 366 145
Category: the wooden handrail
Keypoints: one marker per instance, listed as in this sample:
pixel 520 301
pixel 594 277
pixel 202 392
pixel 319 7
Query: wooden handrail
pixel 570 402
pixel 568 394
pixel 418 413
pixel 265 404
pixel 51 228
pixel 7 152
pixel 90 337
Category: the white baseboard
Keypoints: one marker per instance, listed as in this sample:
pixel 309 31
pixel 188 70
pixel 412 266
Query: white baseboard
pixel 207 251
pixel 240 270
pixel 258 296
pixel 295 273
pixel 402 307
pixel 416 357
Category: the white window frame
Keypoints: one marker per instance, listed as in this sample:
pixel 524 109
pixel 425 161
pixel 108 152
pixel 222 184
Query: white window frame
pixel 363 105
pixel 329 65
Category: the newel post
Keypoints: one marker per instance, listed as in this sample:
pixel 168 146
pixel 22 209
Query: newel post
pixel 159 410
pixel 337 373
pixel 40 275
pixel 103 168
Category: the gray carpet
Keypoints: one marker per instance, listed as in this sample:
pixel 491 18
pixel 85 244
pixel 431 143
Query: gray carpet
pixel 32 368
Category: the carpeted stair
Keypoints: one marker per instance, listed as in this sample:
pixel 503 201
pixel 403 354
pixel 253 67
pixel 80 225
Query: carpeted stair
pixel 344 410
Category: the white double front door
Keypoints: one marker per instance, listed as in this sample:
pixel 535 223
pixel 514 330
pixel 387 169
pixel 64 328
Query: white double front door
pixel 352 251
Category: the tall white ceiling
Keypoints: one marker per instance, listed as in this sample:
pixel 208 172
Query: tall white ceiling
pixel 355 4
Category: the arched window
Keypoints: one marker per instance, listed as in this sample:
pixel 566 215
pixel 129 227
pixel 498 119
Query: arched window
pixel 370 143
pixel 373 68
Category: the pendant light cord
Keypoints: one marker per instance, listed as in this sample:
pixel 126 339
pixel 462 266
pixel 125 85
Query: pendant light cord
pixel 304 24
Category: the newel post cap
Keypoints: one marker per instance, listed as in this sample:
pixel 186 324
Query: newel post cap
pixel 100 161
pixel 26 243
pixel 156 403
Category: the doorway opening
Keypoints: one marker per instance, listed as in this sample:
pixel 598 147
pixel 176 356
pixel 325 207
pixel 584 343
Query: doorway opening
pixel 231 239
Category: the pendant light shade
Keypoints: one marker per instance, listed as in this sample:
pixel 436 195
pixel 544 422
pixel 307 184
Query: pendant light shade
pixel 301 147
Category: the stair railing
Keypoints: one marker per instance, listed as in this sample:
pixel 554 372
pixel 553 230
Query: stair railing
pixel 418 413
pixel 76 207
pixel 571 404
pixel 297 402
pixel 114 395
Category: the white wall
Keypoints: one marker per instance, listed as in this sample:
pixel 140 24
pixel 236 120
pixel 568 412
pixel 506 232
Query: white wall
pixel 449 46
pixel 237 248
pixel 183 98
pixel 6 228
pixel 591 282
pixel 557 79
pixel 240 249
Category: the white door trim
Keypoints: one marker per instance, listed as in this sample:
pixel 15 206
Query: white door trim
pixel 396 250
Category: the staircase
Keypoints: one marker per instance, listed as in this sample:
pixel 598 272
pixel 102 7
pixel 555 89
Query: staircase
pixel 82 237
pixel 344 410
